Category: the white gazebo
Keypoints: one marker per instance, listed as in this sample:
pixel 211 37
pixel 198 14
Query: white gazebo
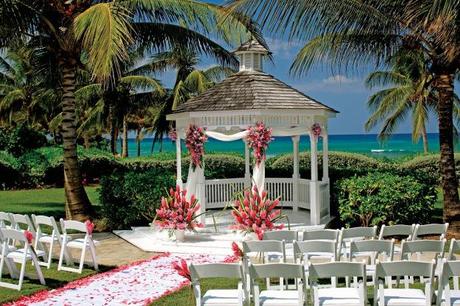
pixel 241 100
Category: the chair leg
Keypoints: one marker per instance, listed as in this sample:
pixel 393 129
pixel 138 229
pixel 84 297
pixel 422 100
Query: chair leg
pixel 22 273
pixel 92 249
pixel 82 259
pixel 50 257
pixel 38 270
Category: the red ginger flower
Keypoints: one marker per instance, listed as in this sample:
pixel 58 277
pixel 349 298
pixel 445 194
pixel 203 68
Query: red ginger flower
pixel 258 139
pixel 29 236
pixel 237 251
pixel 182 269
pixel 89 227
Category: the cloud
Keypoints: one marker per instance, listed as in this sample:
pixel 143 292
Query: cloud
pixel 338 79
pixel 283 48
pixel 333 84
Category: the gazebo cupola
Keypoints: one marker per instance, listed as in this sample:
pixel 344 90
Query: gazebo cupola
pixel 251 55
pixel 229 108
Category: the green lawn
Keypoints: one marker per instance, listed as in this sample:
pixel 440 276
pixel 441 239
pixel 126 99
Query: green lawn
pixel 39 201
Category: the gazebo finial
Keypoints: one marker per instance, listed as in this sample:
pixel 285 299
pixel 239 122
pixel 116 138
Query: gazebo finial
pixel 251 54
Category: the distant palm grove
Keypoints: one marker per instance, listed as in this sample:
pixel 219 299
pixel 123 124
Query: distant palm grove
pixel 87 72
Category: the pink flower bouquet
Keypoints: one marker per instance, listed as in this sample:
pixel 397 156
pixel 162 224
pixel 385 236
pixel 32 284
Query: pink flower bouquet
pixel 176 212
pixel 254 213
pixel 258 139
pixel 316 130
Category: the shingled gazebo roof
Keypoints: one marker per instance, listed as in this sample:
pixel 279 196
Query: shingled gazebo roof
pixel 252 45
pixel 251 90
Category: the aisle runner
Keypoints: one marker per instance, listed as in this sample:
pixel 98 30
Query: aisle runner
pixel 140 283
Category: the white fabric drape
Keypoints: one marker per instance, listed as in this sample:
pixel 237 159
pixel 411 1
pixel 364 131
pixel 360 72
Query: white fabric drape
pixel 258 176
pixel 225 137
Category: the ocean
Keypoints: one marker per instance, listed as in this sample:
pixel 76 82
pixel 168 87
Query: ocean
pixel 399 145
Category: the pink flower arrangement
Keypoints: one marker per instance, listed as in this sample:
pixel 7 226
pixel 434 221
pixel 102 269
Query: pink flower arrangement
pixel 176 213
pixel 237 251
pixel 29 236
pixel 89 227
pixel 182 269
pixel 194 141
pixel 316 130
pixel 172 134
pixel 258 139
pixel 255 213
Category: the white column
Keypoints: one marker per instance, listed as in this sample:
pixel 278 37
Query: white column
pixel 201 192
pixel 247 165
pixel 178 160
pixel 295 173
pixel 325 157
pixel 315 208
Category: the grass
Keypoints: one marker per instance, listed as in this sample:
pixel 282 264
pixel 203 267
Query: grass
pixel 53 278
pixel 39 201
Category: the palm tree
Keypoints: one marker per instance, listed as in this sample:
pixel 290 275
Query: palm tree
pixel 408 90
pixel 99 34
pixel 25 97
pixel 189 82
pixel 352 34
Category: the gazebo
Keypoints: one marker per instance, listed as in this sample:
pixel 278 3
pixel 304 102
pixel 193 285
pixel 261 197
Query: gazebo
pixel 249 96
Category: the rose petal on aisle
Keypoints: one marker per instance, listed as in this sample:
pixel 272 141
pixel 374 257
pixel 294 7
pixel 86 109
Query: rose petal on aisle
pixel 139 283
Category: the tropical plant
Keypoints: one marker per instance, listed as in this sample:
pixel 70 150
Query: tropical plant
pixel 99 35
pixel 354 34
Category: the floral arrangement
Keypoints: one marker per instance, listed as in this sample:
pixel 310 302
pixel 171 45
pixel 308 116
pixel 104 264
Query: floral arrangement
pixel 258 139
pixel 255 213
pixel 316 130
pixel 176 212
pixel 89 227
pixel 194 141
pixel 172 134
pixel 182 269
pixel 29 236
pixel 237 251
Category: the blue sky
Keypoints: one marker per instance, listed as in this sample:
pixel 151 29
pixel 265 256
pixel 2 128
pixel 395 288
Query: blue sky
pixel 345 93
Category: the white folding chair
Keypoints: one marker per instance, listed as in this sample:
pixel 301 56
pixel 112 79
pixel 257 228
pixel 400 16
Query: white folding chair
pixel 399 231
pixel 5 220
pixel 454 249
pixel 21 255
pixel 278 297
pixel 379 249
pixel 21 223
pixel 435 248
pixel 433 229
pixel 325 234
pixel 287 236
pixel 447 296
pixel 230 297
pixel 354 234
pixel 304 251
pixel 43 239
pixel 85 243
pixel 355 295
pixel 403 296
pixel 267 251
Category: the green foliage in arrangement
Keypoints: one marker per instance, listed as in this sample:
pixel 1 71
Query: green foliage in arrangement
pixel 383 198
pixel 130 197
pixel 21 139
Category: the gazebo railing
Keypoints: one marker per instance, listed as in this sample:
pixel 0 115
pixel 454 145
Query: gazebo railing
pixel 282 188
pixel 304 193
pixel 324 199
pixel 222 192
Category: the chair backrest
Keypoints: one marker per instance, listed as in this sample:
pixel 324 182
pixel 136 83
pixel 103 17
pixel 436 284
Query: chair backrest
pixel 73 225
pixel 13 234
pixel 215 270
pixel 433 229
pixel 450 269
pixel 422 246
pixel 23 220
pixel 262 246
pixel 453 249
pixel 336 269
pixel 398 230
pixel 326 234
pixel 285 270
pixel 5 219
pixel 405 268
pixel 46 221
pixel 303 248
pixel 359 232
pixel 385 247
pixel 282 235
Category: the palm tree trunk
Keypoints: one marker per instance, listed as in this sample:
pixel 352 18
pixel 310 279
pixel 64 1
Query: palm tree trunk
pixel 451 212
pixel 124 149
pixel 113 132
pixel 78 206
pixel 152 148
pixel 138 134
pixel 424 139
pixel 86 142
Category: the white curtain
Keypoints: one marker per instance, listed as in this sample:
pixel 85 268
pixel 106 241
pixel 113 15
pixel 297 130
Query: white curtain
pixel 258 176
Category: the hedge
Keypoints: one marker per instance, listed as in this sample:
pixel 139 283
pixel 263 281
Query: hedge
pixel 11 174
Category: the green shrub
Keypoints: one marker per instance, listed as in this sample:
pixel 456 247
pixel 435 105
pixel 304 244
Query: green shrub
pixel 10 174
pixel 130 197
pixel 23 139
pixel 219 166
pixel 382 198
